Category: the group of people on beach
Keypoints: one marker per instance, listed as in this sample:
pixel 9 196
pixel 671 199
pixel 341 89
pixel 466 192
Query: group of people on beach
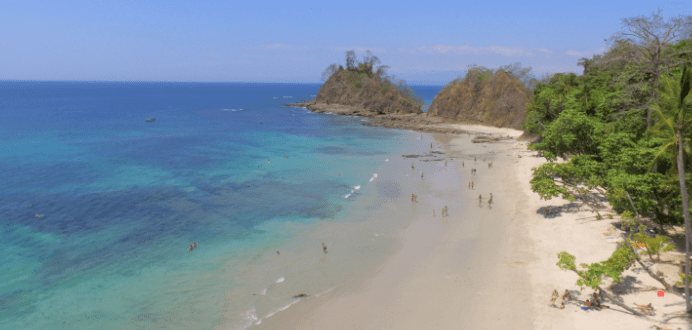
pixel 480 200
pixel 593 303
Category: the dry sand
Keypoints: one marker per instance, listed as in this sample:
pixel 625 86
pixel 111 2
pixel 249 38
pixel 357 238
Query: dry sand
pixel 480 268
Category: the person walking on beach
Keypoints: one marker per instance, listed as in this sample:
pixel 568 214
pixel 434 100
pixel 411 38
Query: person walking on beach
pixel 433 212
pixel 412 167
pixel 480 200
pixel 421 174
pixel 445 163
pixel 324 247
pixel 462 163
pixel 490 201
pixel 471 185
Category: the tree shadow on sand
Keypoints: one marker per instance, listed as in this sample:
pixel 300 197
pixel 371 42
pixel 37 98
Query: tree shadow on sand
pixel 552 211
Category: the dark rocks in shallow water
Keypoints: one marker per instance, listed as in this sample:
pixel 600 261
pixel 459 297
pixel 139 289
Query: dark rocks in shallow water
pixel 302 295
pixel 150 119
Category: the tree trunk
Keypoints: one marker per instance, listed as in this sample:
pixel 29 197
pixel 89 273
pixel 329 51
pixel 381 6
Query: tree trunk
pixel 634 208
pixel 662 280
pixel 617 302
pixel 686 213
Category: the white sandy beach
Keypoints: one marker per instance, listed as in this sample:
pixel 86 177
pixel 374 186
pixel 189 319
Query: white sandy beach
pixel 479 268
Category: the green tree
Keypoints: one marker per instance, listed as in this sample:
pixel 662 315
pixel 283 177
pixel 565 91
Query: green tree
pixel 592 275
pixel 652 34
pixel 350 59
pixel 677 104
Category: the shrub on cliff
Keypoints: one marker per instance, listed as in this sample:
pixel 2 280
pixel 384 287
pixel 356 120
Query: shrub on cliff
pixel 485 96
pixel 360 84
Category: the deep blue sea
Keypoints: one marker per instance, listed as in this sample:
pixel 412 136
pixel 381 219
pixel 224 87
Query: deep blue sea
pixel 98 207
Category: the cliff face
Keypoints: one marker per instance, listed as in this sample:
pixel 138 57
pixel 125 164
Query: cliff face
pixel 365 90
pixel 492 100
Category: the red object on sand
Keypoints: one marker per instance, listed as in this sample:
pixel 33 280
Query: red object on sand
pixel 660 293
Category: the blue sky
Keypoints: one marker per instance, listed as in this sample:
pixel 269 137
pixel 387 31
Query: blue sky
pixel 424 42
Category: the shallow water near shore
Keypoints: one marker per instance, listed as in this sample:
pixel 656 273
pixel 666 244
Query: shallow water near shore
pixel 100 206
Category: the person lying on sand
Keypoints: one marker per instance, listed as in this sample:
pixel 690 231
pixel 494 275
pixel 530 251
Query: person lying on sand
pixel 645 308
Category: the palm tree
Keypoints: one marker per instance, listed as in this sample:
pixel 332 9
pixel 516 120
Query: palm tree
pixel 676 100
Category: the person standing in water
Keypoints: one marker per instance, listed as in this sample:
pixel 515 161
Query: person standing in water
pixel 324 247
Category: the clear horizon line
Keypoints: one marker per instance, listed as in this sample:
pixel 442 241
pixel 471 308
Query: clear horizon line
pixel 173 82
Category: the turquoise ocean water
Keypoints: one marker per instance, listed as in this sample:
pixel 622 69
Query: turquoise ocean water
pixel 98 207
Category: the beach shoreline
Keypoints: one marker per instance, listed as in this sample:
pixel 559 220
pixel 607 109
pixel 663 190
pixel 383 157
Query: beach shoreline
pixel 481 268
pixel 445 268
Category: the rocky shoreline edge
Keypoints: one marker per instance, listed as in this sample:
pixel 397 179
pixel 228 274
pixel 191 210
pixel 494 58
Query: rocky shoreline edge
pixel 415 122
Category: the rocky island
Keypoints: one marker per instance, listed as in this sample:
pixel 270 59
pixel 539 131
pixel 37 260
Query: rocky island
pixel 484 96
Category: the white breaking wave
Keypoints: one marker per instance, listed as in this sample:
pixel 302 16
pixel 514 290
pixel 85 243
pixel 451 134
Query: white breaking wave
pixel 249 317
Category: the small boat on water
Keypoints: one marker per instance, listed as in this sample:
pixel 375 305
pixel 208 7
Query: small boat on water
pixel 150 119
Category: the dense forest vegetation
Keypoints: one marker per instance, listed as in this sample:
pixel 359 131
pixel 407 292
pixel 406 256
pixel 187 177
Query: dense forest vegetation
pixel 623 128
